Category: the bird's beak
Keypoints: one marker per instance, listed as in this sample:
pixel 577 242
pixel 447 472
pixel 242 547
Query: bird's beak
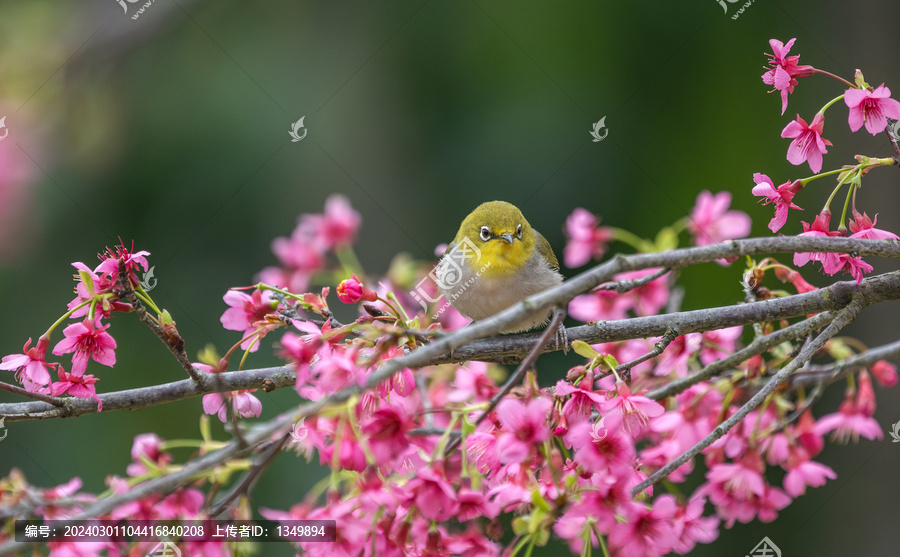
pixel 507 236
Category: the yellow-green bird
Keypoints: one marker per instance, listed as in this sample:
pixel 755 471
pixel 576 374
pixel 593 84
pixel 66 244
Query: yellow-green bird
pixel 495 261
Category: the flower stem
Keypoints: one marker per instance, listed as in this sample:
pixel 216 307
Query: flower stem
pixel 65 316
pixel 831 102
pixel 837 77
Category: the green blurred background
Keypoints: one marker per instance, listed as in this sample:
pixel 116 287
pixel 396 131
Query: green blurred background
pixel 172 130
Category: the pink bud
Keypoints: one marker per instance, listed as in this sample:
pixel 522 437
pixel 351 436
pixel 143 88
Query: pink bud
pixel 351 291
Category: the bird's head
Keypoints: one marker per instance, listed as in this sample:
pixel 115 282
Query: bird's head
pixel 499 230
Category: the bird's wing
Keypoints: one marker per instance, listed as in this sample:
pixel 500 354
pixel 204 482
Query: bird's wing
pixel 543 247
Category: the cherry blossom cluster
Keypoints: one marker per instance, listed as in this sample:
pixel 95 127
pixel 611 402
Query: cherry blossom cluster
pixel 98 296
pixel 551 460
pixel 869 107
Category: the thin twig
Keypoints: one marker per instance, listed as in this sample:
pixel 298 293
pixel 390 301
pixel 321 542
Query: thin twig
pixel 247 483
pixel 176 348
pixel 827 374
pixel 516 377
pixel 841 319
pixel 624 286
pixel 758 346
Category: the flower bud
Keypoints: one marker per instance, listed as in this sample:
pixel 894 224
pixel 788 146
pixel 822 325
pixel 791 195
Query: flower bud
pixel 351 291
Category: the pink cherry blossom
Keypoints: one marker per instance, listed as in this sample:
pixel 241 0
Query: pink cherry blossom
pixel 646 531
pixel 871 108
pixel 523 427
pixel 818 228
pixel 849 422
pixel 81 386
pixel 87 340
pixel 482 448
pixel 711 222
pixel 247 313
pixel 600 305
pixel 218 404
pixel 146 446
pixel 31 366
pixel 834 262
pixel 337 227
pixel 785 70
pixel 719 343
pixel 471 384
pixel 649 298
pixel 693 527
pixel 808 144
pixel 885 373
pixel 242 402
pixel 863 227
pixel 109 263
pixel 599 449
pixel 582 399
pixel 432 495
pixel 185 503
pixel 347 450
pixel 805 472
pixel 92 287
pixel 630 412
pixel 386 433
pixel 586 239
pixel 473 504
pixel 782 197
pixel 676 357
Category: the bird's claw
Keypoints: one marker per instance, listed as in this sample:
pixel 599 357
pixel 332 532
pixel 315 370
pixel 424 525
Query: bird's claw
pixel 562 339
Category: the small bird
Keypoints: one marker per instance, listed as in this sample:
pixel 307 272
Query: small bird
pixel 495 261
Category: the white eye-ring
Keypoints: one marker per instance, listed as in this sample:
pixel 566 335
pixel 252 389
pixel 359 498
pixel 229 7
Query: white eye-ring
pixel 485 233
pixel 519 232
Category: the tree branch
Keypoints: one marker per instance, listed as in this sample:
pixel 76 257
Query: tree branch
pixel 464 344
pixel 758 346
pixel 841 320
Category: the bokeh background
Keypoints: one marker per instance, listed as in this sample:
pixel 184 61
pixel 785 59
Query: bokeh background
pixel 172 130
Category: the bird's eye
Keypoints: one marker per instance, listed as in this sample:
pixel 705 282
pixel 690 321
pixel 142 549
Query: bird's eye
pixel 519 232
pixel 485 233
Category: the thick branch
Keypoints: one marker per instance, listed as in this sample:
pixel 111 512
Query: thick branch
pixel 134 399
pixel 458 346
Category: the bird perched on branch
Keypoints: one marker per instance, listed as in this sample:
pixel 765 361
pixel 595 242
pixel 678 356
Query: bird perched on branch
pixel 495 261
